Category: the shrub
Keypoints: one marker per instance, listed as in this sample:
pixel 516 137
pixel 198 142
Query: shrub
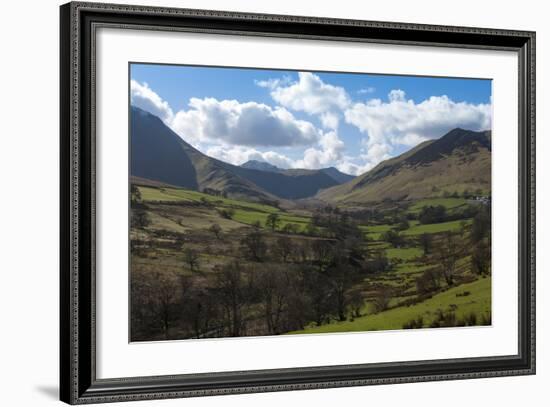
pixel 226 213
pixel 414 323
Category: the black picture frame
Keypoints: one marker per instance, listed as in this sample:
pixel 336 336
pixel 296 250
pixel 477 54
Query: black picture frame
pixel 78 382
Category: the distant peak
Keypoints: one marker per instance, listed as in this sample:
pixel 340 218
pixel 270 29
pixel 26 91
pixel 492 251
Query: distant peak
pixel 260 165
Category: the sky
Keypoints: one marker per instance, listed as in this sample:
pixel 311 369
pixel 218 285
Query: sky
pixel 293 119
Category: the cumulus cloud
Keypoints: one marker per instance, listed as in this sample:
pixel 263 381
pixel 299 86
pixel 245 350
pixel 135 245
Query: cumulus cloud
pixel 142 96
pixel 236 132
pixel 330 150
pixel 228 121
pixel 238 155
pixel 245 124
pixel 311 95
pixel 403 122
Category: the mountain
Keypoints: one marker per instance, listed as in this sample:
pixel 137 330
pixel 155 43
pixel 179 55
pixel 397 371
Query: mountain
pixel 261 166
pixel 459 160
pixel 332 172
pixel 336 175
pixel 159 154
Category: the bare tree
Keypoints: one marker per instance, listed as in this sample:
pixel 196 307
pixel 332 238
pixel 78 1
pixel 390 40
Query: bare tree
pixel 253 245
pixel 448 255
pixel 216 230
pixel 159 298
pixel 283 248
pixel 273 289
pixel 233 291
pixel 139 219
pixel 135 195
pixel 481 259
pixel 272 221
pixel 426 242
pixel 191 258
pixel 381 299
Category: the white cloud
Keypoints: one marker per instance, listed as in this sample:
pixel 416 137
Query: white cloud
pixel 245 124
pixel 330 151
pixel 313 96
pixel 404 122
pixel 238 155
pixel 236 132
pixel 227 121
pixel 142 96
pixel 273 83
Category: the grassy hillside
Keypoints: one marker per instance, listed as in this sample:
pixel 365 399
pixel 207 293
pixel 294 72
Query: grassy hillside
pixel 317 269
pixel 459 161
pixel 477 301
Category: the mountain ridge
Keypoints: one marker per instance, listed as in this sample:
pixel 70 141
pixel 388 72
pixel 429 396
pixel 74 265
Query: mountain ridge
pixel 159 154
pixel 424 171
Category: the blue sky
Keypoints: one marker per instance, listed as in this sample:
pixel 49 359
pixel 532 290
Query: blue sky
pixel 311 119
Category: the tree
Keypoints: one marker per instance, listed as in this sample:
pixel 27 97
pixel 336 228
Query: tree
pixel 432 214
pixel 216 230
pixel 394 238
pixel 273 290
pixel 381 299
pixel 291 228
pixel 272 221
pixel 319 292
pixel 311 229
pixel 481 259
pixel 283 248
pixel 448 255
pixel 342 278
pixel 157 294
pixel 428 282
pixel 253 245
pixel 139 219
pixel 481 226
pixel 321 251
pixel 426 241
pixel 135 195
pixel 227 213
pixel 191 258
pixel 233 291
pixel 200 310
pixel 356 302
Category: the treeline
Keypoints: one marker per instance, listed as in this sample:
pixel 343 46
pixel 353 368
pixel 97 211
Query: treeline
pixel 279 285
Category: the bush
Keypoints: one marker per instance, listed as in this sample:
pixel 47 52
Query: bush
pixel 432 214
pixel 394 238
pixel 381 300
pixel 414 323
pixel 226 213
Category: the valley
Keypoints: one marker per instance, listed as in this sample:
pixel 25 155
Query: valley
pixel 219 250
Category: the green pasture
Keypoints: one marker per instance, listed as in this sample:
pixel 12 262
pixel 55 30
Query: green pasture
pixel 448 203
pixel 478 302
pixel 185 195
pixel 451 226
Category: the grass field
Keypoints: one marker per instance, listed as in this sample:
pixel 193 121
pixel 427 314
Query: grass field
pixel 478 301
pixel 452 226
pixel 180 222
pixel 407 253
pixel 184 195
pixel 448 203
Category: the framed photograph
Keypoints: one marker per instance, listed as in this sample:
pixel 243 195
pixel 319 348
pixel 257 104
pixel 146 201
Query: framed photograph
pixel 255 203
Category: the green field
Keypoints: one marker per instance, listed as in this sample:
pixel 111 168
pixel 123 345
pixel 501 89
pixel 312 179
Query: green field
pixel 390 272
pixel 452 226
pixel 407 253
pixel 184 195
pixel 448 203
pixel 477 302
